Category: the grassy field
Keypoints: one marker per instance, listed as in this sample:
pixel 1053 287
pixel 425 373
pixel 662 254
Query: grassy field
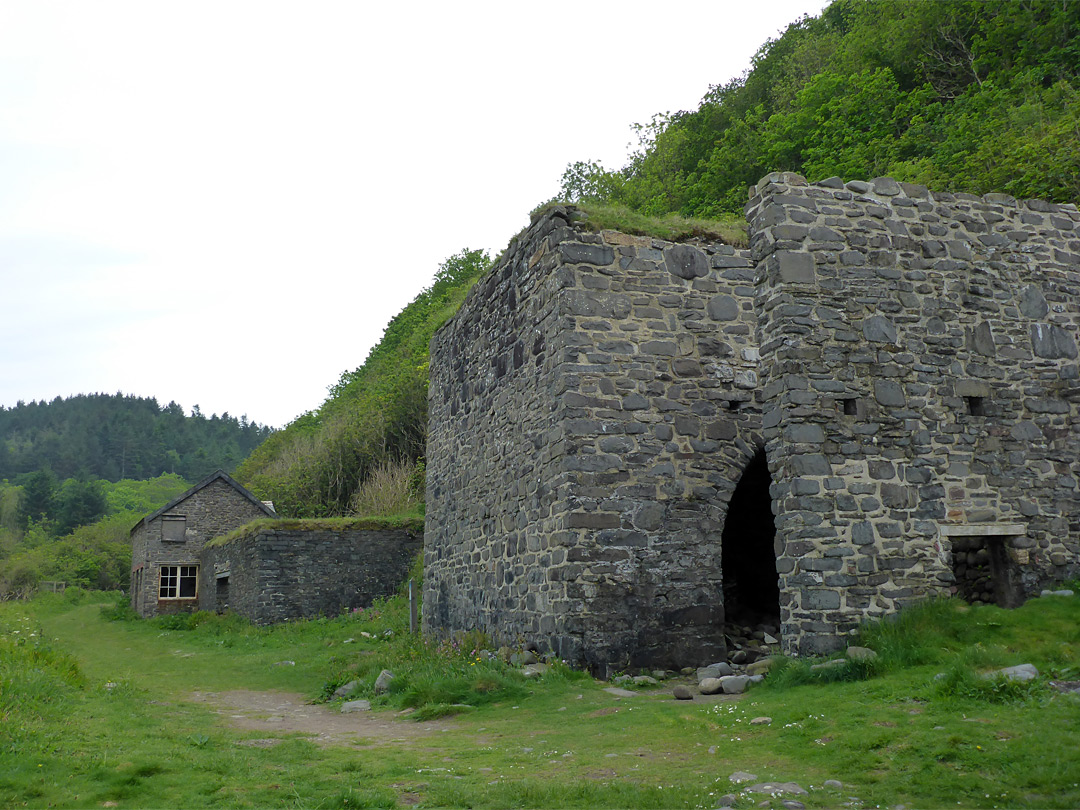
pixel 130 713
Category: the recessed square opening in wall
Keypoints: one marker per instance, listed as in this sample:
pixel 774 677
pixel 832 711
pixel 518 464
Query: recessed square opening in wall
pixel 976 406
pixel 984 572
pixel 733 405
pixel 849 407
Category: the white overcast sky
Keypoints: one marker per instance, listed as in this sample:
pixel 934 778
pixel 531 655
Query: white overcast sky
pixel 223 203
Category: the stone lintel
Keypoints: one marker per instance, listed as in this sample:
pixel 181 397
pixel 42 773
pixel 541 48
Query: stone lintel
pixel 983 530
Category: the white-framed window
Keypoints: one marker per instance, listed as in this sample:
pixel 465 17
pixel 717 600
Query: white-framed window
pixel 179 582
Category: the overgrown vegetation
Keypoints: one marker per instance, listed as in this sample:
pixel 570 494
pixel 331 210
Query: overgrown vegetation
pixel 36 547
pixel 129 723
pixel 959 96
pixel 375 417
pixel 963 642
pixel 406 520
pixel 599 216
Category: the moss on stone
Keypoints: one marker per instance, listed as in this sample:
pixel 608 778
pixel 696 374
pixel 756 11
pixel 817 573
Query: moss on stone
pixel 410 522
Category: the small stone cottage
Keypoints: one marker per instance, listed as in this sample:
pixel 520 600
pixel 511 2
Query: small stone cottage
pixel 166 545
pixel 294 569
pixel 188 556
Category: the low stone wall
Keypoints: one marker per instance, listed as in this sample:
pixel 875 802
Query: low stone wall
pixel 276 575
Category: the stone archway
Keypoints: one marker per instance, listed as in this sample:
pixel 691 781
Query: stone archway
pixel 748 559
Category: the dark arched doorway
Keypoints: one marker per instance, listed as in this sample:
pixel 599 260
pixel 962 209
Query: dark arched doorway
pixel 751 589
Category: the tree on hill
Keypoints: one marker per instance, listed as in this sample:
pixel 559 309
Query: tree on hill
pixel 113 436
pixel 960 96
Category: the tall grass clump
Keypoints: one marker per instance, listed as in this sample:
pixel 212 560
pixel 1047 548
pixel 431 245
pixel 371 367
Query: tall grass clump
pixel 37 681
pixel 394 487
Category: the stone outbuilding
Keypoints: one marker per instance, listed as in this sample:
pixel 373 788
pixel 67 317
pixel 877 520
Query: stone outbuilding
pixel 213 548
pixel 292 569
pixel 634 443
pixel 166 545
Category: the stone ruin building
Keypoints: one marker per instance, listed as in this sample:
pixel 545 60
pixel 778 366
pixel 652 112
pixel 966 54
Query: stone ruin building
pixel 634 443
pixel 210 549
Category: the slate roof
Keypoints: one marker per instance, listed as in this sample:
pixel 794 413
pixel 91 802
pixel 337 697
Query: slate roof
pixel 220 474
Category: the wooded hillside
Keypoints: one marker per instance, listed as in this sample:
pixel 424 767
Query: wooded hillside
pixel 965 95
pixel 115 436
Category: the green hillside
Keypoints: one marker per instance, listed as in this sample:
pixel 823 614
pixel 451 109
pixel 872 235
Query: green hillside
pixel 969 96
pixel 373 426
pixel 958 96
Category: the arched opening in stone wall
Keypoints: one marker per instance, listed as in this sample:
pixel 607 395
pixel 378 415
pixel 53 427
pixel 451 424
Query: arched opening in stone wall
pixel 748 559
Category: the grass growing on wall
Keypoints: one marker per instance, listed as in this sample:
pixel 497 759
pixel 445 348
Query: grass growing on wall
pixel 731 230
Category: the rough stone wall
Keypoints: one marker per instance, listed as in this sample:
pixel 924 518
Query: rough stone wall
pixel 591 408
pixel 213 510
pixel 283 574
pixel 494 478
pixel 948 323
pixel 907 360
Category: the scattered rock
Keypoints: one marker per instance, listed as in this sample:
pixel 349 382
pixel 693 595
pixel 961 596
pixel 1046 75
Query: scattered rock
pixel 861 654
pixel 771 639
pixel 742 776
pixel 759 667
pixel 660 674
pixel 777 788
pixel 621 679
pixel 504 654
pixel 356 706
pixel 711 671
pixel 382 683
pixel 1068 687
pixel 791 804
pixel 285 664
pixel 734 684
pixel 347 689
pixel 681 692
pixel 1061 592
pixel 1021 672
pixel 645 680
pixel 761 721
pixel 833 784
pixel 836 662
pixel 534 670
pixel 687 671
pixel 711 686
pixel 348 641
pixel 728 799
pixel 614 690
pixel 739 657
pixel 528 657
pixel 757 679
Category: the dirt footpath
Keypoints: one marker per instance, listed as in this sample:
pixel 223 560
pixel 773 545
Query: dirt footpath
pixel 282 713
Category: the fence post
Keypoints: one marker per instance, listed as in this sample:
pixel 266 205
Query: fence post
pixel 412 606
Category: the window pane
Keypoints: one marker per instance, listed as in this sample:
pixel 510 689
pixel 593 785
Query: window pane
pixel 188 576
pixel 168 582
